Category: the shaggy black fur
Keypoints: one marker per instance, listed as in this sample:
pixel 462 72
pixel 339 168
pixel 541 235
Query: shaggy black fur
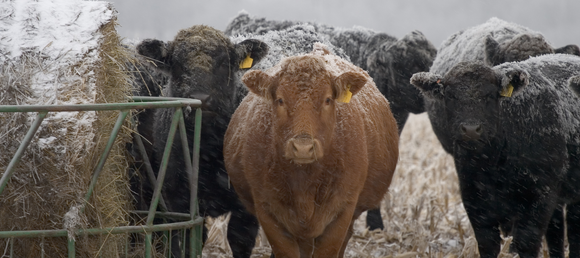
pixel 574 83
pixel 517 157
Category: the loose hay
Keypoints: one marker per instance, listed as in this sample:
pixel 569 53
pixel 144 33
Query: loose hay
pixel 423 213
pixel 62 52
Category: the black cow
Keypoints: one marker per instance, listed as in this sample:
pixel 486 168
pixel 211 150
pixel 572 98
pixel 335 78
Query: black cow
pixel 494 42
pixel 514 137
pixel 202 63
pixel 390 62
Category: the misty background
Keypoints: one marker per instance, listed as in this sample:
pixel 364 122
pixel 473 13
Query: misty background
pixel 558 20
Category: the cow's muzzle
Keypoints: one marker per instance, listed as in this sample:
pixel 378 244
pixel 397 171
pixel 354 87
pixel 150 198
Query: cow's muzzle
pixel 303 149
pixel 470 132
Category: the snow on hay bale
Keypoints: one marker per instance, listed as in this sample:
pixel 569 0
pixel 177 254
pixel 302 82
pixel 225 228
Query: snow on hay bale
pixel 55 52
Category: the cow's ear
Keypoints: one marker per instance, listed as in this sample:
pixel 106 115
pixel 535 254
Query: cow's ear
pixel 429 84
pixel 492 52
pixel 569 49
pixel 574 84
pixel 347 85
pixel 250 52
pixel 156 51
pixel 259 83
pixel 513 81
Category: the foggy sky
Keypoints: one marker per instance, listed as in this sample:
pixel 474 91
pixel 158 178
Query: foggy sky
pixel 558 20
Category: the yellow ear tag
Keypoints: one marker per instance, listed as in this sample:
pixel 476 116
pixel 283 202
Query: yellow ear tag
pixel 247 63
pixel 507 91
pixel 345 98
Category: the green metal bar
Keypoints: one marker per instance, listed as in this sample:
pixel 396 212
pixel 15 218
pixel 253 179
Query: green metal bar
pixel 148 168
pixel 148 245
pixel 188 164
pixel 193 182
pixel 197 231
pixel 169 215
pixel 71 248
pixel 175 102
pixel 164 163
pixel 25 142
pixel 42 247
pixel 105 155
pixel 97 231
pixel 192 172
pixel 11 247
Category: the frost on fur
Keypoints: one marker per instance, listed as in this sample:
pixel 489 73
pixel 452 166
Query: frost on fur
pixel 574 84
pixel 428 83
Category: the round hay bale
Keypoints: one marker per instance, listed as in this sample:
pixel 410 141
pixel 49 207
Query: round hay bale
pixel 55 53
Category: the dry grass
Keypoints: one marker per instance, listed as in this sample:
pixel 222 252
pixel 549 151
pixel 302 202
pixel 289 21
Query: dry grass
pixel 423 213
pixel 112 198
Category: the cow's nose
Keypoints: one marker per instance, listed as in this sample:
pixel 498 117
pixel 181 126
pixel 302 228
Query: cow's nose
pixel 303 149
pixel 470 132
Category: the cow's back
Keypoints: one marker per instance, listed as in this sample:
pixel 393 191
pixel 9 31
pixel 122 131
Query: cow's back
pixel 469 44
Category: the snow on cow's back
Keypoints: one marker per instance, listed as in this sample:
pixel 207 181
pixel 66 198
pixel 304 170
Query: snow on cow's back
pixel 469 44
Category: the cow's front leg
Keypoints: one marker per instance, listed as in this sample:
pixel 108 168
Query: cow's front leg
pixel 529 230
pixel 330 243
pixel 481 214
pixel 283 243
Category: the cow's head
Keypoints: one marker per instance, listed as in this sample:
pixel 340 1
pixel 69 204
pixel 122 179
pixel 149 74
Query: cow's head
pixel 393 64
pixel 303 97
pixel 202 63
pixel 471 93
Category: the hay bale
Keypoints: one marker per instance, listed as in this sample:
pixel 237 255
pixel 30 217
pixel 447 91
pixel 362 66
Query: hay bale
pixel 54 53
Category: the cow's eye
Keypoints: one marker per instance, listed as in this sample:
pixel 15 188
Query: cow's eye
pixel 280 102
pixel 328 100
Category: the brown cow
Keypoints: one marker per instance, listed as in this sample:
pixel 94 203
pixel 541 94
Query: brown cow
pixel 304 163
